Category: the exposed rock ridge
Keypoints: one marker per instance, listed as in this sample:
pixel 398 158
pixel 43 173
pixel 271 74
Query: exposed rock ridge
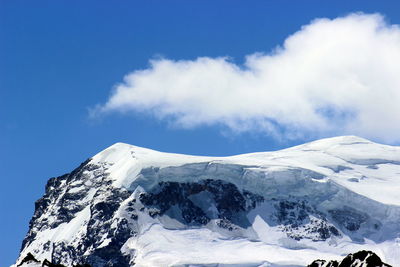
pixel 359 259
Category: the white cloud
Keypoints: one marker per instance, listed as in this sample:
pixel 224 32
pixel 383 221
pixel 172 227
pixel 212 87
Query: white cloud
pixel 339 76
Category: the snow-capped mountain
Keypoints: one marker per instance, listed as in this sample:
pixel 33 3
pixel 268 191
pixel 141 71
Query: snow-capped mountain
pixel 134 206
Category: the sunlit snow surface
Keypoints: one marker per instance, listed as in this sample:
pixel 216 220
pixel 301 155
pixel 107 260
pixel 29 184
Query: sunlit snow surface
pixel 332 171
pixel 372 166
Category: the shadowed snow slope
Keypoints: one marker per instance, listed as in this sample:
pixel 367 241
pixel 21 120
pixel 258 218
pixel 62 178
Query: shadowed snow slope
pixel 130 205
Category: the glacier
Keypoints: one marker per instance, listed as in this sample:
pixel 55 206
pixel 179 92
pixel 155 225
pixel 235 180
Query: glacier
pixel 129 205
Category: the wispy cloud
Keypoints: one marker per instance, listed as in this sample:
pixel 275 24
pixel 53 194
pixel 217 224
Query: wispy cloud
pixel 339 76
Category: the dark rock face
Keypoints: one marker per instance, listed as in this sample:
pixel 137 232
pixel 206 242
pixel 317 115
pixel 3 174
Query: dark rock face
pixel 28 258
pixel 300 220
pixel 361 258
pixel 349 218
pixel 231 205
pixel 64 198
pixel 323 263
pixel 296 217
pixel 369 259
pixel 110 255
pixel 31 259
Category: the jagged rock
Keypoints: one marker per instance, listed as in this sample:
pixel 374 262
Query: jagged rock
pixel 361 258
pixel 28 258
pixel 50 264
pixel 367 258
pixel 323 263
pixel 31 259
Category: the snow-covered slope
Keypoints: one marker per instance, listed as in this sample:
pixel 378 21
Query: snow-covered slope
pixel 130 205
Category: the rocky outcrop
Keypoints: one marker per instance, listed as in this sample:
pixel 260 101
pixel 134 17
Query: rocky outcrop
pixel 359 259
pixel 200 202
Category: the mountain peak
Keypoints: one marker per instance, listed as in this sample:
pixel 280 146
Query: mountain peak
pixel 320 200
pixel 119 151
pixel 338 141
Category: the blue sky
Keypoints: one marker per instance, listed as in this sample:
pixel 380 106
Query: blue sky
pixel 59 60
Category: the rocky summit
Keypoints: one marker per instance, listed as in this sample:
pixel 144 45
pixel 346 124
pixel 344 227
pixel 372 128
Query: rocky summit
pixel 361 258
pixel 131 206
